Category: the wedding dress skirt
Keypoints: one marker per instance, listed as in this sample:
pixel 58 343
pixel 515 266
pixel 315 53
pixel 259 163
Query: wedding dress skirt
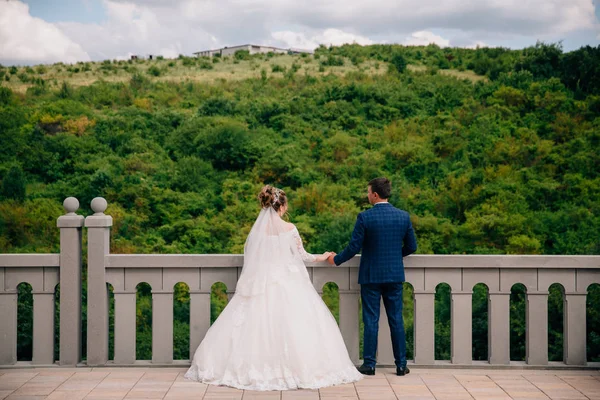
pixel 283 339
pixel 275 334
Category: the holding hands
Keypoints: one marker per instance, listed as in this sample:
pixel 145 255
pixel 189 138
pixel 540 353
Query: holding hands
pixel 327 256
pixel 324 256
pixel 330 258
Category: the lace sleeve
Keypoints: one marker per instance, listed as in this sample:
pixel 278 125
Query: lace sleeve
pixel 305 256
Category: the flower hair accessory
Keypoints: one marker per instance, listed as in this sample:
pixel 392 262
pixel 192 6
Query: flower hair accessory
pixel 276 196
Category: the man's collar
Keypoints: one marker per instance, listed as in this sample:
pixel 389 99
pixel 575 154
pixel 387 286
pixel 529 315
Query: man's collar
pixel 381 202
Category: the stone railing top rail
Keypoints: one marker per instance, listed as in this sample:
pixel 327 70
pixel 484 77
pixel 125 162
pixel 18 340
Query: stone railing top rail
pixel 29 260
pixel 413 261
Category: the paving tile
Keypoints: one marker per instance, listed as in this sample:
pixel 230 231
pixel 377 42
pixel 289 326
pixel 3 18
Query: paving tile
pixel 413 396
pixel 445 387
pixel 57 370
pixel 257 395
pixel 68 394
pixel 186 392
pixel 376 380
pixel 124 376
pixel 83 381
pixel 409 380
pixel 345 391
pixel 153 376
pixel 481 387
pixel 153 385
pixel 124 370
pixel 517 387
pixel 222 392
pixel 375 388
pixel 106 394
pixel 146 394
pixel 4 393
pixel 555 388
pixel 409 387
pixel 14 380
pixel 116 385
pixel 43 383
pixel 588 385
pixel 300 394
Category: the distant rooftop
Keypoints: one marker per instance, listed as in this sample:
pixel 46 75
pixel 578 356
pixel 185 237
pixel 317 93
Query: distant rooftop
pixel 242 46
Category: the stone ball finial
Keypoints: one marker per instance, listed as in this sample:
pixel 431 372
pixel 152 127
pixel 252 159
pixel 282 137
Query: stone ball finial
pixel 71 204
pixel 99 205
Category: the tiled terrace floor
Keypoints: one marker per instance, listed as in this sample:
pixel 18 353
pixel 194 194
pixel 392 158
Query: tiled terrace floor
pixel 168 383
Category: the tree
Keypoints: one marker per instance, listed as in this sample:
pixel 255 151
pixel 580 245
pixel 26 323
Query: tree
pixel 228 146
pixel 65 91
pixel 542 60
pixel 580 70
pixel 399 62
pixel 6 96
pixel 13 184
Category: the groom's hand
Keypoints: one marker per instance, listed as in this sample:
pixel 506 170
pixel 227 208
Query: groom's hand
pixel 330 259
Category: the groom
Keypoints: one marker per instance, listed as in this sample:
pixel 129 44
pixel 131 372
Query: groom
pixel 385 235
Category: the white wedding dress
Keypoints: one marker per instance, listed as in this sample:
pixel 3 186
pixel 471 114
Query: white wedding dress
pixel 276 333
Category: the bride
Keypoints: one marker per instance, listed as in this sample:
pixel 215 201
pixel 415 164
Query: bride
pixel 276 333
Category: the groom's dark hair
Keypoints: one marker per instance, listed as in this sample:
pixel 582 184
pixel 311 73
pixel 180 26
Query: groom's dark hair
pixel 381 186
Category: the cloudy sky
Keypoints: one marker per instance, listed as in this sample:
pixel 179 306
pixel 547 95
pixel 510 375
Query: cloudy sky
pixel 47 31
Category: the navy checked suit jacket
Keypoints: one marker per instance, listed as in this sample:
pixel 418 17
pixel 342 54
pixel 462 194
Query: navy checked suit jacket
pixel 385 235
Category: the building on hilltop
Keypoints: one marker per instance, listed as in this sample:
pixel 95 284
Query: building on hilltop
pixel 251 48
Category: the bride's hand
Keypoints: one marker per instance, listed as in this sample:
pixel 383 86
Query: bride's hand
pixel 323 256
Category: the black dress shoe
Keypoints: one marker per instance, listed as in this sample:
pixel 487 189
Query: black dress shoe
pixel 401 371
pixel 366 370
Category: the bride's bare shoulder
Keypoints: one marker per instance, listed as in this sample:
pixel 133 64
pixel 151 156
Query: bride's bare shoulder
pixel 289 226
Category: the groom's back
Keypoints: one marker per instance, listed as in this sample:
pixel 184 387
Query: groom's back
pixel 388 236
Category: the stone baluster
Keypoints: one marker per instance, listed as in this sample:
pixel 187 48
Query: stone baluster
pixel 424 326
pixel 499 327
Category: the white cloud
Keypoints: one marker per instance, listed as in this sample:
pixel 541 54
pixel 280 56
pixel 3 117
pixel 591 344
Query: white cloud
pixel 334 37
pixel 139 29
pixel 423 38
pixel 476 44
pixel 184 26
pixel 28 40
pixel 538 17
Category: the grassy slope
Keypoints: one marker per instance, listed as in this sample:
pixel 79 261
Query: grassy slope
pixel 174 70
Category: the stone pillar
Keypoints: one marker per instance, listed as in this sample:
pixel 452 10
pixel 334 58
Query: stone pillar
pixel 125 328
pixel 499 328
pixel 537 328
pixel 349 324
pixel 199 318
pixel 424 320
pixel 462 322
pixel 98 226
pixel 43 328
pixel 8 327
pixel 162 326
pixel 575 336
pixel 70 226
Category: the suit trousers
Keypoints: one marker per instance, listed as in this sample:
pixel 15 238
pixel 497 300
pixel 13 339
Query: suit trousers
pixel 371 295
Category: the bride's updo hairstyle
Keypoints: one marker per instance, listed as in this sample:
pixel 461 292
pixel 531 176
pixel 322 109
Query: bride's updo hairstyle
pixel 270 196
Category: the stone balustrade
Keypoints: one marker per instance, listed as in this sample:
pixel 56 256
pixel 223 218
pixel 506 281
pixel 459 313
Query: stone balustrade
pixel 424 272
